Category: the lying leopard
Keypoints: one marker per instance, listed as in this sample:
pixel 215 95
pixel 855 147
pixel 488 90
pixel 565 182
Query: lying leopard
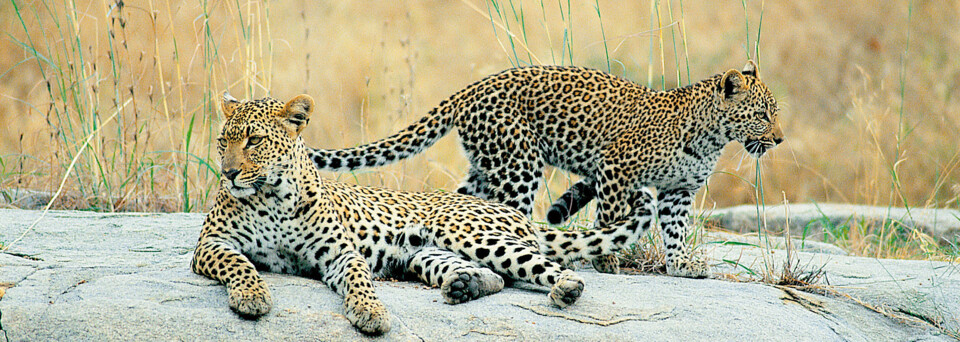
pixel 619 136
pixel 273 212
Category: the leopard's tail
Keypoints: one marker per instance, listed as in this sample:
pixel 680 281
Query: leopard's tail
pixel 576 244
pixel 406 143
pixel 574 199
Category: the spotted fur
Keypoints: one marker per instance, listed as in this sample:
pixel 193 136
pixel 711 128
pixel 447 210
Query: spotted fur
pixel 273 212
pixel 619 136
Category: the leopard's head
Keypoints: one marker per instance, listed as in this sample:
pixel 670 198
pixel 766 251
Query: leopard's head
pixel 748 109
pixel 258 139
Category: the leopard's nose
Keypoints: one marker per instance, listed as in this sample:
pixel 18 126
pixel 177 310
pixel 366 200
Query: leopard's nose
pixel 231 173
pixel 778 140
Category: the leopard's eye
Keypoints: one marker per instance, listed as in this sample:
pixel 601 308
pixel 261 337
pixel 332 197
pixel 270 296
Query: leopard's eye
pixel 764 115
pixel 222 142
pixel 253 141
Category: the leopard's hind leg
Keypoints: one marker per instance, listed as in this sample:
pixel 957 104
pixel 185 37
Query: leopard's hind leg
pixel 520 260
pixel 459 280
pixel 475 184
pixel 511 166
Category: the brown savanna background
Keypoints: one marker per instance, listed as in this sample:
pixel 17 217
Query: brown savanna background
pixel 868 89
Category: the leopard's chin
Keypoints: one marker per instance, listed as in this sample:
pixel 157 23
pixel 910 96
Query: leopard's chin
pixel 240 192
pixel 757 147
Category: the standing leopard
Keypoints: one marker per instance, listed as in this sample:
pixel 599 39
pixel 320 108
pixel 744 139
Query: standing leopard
pixel 273 212
pixel 619 136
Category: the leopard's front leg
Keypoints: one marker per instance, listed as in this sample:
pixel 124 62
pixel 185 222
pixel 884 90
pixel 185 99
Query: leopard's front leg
pixel 674 211
pixel 349 275
pixel 248 293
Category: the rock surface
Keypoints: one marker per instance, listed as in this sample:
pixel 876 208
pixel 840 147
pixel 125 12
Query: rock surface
pixel 89 276
pixel 816 219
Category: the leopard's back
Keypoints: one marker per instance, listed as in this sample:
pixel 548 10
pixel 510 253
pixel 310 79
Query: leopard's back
pixel 569 113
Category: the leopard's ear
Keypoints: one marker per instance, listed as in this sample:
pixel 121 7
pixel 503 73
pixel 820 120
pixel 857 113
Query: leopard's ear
pixel 732 88
pixel 751 69
pixel 296 114
pixel 228 104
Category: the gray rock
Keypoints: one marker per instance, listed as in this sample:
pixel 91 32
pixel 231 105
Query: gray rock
pixel 916 290
pixel 774 242
pixel 87 276
pixel 816 219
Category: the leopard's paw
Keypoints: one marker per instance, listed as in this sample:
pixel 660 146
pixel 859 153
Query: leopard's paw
pixel 469 284
pixel 370 318
pixel 251 301
pixel 689 267
pixel 607 264
pixel 567 289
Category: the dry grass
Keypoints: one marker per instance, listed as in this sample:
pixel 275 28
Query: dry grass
pixel 869 97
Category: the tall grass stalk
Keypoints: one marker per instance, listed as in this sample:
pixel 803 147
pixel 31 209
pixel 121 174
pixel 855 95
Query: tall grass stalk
pixel 567 32
pixel 62 183
pixel 683 36
pixel 603 35
pixel 91 56
pixel 901 133
pixel 663 62
pixel 896 188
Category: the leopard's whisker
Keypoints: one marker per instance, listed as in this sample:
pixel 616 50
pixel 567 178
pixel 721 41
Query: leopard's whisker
pixel 743 154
